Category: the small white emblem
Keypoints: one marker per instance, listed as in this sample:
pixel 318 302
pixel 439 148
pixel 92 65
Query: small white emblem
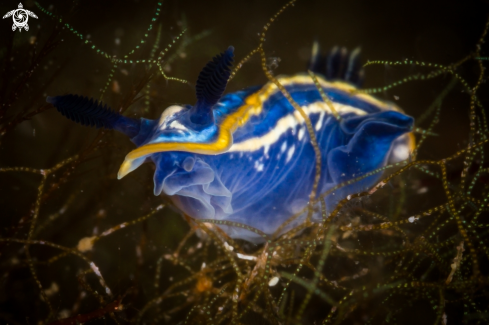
pixel 20 17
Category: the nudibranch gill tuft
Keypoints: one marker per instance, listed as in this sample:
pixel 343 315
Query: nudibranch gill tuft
pixel 246 156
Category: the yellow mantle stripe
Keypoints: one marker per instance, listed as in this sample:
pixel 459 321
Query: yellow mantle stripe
pixel 252 106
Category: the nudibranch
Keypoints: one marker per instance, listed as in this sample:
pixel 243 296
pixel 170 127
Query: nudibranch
pixel 247 156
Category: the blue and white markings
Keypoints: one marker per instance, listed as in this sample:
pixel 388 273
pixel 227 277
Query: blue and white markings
pixel 246 157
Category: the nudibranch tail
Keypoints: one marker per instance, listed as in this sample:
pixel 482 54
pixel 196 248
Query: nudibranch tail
pixel 90 112
pixel 210 86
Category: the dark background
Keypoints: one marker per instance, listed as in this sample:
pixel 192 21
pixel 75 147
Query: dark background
pixel 432 31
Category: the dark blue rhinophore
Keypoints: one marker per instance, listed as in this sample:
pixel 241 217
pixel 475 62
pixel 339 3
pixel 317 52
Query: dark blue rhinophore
pixel 91 113
pixel 210 86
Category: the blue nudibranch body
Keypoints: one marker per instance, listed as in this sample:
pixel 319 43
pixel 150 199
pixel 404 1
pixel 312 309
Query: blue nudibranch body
pixel 247 156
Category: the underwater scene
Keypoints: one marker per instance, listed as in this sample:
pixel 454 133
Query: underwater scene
pixel 244 162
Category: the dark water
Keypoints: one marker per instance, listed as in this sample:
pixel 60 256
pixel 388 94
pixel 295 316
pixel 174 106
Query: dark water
pixel 91 200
